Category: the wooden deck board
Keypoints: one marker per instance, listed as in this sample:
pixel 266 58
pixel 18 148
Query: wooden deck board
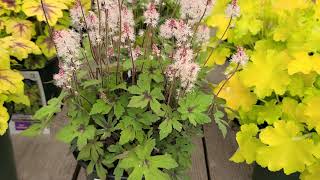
pixel 199 169
pixel 219 150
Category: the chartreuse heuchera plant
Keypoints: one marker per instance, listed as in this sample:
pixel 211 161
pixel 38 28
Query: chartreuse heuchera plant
pixel 11 89
pixel 23 31
pixel 133 86
pixel 276 94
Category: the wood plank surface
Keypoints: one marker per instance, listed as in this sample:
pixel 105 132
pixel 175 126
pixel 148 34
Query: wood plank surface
pixel 199 169
pixel 43 158
pixel 219 150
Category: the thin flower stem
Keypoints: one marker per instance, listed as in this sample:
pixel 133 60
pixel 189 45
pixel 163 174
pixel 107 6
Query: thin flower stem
pixel 219 42
pixel 171 91
pixel 228 79
pixel 50 28
pixel 86 25
pixel 223 85
pixel 120 36
pixel 133 65
pixel 198 24
pixel 99 44
pixel 87 60
pixel 107 39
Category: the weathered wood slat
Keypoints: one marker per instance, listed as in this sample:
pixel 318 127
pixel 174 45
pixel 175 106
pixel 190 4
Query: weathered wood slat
pixel 219 150
pixel 42 158
pixel 199 169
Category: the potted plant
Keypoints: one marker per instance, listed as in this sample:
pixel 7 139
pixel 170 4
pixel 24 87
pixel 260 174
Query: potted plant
pixel 135 93
pixel 11 90
pixel 274 94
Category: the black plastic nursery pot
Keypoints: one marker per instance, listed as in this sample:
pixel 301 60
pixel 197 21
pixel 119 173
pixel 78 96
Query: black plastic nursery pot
pixel 260 173
pixel 7 162
pixel 46 74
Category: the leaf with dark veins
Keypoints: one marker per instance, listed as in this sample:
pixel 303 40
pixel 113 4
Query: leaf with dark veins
pixel 46 45
pixel 13 5
pixel 20 28
pixel 18 47
pixel 51 9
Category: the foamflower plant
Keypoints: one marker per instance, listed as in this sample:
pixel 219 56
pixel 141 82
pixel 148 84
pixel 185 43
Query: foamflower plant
pixel 133 80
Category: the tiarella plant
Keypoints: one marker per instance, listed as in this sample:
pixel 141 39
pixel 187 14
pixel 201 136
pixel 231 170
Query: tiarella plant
pixel 23 32
pixel 11 89
pixel 133 85
pixel 275 95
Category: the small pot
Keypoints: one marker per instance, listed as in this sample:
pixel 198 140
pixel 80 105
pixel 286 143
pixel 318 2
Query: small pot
pixel 260 173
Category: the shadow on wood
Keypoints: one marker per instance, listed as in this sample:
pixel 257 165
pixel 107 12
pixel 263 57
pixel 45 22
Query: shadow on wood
pixel 219 150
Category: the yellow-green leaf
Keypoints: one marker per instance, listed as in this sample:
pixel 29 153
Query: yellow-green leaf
pixel 267 73
pixel 304 63
pixel 248 144
pixel 235 89
pixel 18 47
pixel 4 59
pixel 4 116
pixel 13 5
pixel 9 81
pixel 286 148
pixel 312 112
pixel 20 28
pixel 219 56
pixel 312 172
pixel 3 127
pixel 46 45
pixel 289 5
pixel 51 9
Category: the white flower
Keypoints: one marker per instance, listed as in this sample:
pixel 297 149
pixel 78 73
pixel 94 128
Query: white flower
pixel 183 55
pixel 176 28
pixel 68 44
pixel 151 15
pixel 193 10
pixel 233 9
pixel 136 52
pixel 240 57
pixel 182 32
pixel 76 16
pixel 188 75
pixel 183 68
pixel 203 34
pixel 167 29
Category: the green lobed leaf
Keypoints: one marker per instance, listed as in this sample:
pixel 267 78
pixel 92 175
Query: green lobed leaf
pixel 100 107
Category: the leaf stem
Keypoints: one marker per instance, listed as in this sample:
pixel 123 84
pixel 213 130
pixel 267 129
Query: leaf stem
pixel 219 42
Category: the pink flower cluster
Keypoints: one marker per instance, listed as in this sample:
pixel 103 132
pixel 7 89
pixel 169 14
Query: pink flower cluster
pixel 151 15
pixel 106 21
pixel 194 10
pixel 233 9
pixel 240 57
pixel 183 68
pixel 176 28
pixel 68 49
pixel 112 24
pixel 203 34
